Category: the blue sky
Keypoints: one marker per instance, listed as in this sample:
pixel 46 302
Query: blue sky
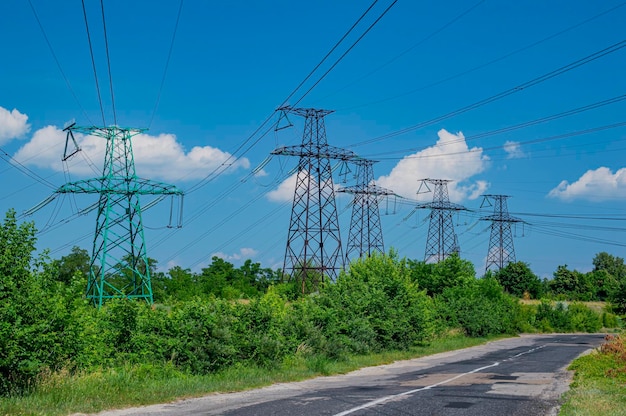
pixel 403 95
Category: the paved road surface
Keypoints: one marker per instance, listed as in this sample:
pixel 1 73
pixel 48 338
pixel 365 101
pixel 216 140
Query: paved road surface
pixel 517 376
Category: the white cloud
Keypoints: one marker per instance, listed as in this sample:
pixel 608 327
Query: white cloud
pixel 244 253
pixel 595 185
pixel 13 125
pixel 285 191
pixel 513 150
pixel 161 157
pixel 449 158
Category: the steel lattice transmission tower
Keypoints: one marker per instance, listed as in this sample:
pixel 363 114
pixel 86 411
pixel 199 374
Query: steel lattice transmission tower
pixel 119 263
pixel 366 233
pixel 501 250
pixel 313 250
pixel 442 241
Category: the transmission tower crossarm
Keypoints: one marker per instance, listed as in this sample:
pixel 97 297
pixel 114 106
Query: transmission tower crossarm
pixel 369 190
pixel 104 131
pixel 305 112
pixel 442 205
pixel 321 152
pixel 135 186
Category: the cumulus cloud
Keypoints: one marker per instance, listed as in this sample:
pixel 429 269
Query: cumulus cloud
pixel 13 125
pixel 161 156
pixel 285 191
pixel 450 158
pixel 513 150
pixel 244 253
pixel 595 185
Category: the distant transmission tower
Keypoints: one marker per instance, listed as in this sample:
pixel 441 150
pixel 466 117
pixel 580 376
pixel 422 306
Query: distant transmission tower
pixel 501 250
pixel 313 249
pixel 366 233
pixel 442 241
pixel 119 263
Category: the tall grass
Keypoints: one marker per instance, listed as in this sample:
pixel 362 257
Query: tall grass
pixel 599 386
pixel 62 393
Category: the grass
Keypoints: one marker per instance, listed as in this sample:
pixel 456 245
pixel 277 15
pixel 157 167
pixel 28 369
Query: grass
pixel 595 306
pixel 62 393
pixel 599 386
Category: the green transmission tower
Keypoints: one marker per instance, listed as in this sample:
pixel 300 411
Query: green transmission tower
pixel 119 263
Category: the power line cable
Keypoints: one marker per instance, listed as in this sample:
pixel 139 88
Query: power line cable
pixel 346 52
pixel 535 81
pixel 513 127
pixel 93 61
pixel 106 46
pixel 26 171
pixel 501 58
pixel 541 140
pixel 56 60
pixel 234 157
pixel 406 51
pixel 329 53
pixel 167 64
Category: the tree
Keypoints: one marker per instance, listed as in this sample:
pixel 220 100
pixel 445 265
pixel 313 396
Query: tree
pixel 451 272
pixel 605 284
pixel 572 284
pixel 612 264
pixel 76 261
pixel 517 278
pixel 34 312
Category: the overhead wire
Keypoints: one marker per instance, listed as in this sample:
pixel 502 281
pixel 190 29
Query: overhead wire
pixel 56 60
pixel 346 52
pixel 93 62
pixel 501 58
pixel 26 171
pixel 167 64
pixel 234 156
pixel 535 81
pixel 508 129
pixel 106 46
pixel 533 141
pixel 415 45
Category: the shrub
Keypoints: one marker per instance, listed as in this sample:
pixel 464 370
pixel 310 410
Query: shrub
pixel 377 306
pixel 480 309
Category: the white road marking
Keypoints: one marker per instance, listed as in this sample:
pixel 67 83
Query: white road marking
pixel 410 392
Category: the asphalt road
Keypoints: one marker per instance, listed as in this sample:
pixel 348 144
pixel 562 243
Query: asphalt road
pixel 516 376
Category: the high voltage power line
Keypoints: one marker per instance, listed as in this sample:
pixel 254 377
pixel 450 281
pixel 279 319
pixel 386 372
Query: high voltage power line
pixel 489 63
pixel 249 143
pixel 535 81
pixel 238 152
pixel 525 124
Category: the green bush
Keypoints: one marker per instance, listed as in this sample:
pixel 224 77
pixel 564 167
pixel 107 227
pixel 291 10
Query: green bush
pixel 584 319
pixel 377 306
pixel 480 308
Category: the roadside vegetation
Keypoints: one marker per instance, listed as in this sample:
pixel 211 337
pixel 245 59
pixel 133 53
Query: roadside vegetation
pixel 229 328
pixel 599 386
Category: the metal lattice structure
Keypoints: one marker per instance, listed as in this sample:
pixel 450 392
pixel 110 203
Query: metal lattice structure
pixel 366 233
pixel 119 263
pixel 501 250
pixel 313 250
pixel 442 240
